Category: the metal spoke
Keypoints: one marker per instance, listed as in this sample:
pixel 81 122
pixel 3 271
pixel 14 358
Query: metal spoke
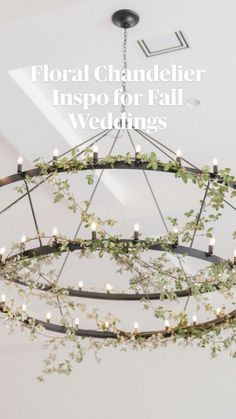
pixel 144 135
pixel 79 145
pixel 96 141
pixel 156 203
pixel 200 213
pixel 158 207
pixel 151 189
pixel 44 180
pixel 169 149
pixel 91 197
pixel 182 158
pixel 33 212
pixel 195 230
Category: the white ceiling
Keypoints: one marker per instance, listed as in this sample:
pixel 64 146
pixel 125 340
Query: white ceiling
pixel 172 383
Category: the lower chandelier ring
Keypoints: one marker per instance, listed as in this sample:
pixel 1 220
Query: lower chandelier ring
pixel 183 331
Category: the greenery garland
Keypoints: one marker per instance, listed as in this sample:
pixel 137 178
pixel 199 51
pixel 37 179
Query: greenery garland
pixel 150 276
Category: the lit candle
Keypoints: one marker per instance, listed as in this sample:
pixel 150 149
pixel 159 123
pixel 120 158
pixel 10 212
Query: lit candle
pixel 55 235
pixel 76 322
pixel 211 246
pixel 108 288
pixel 54 232
pixel 178 156
pixel 2 251
pixel 215 167
pixel 3 297
pixel 81 284
pixel 218 312
pixel 24 315
pixel 48 317
pixel 136 231
pixel 137 151
pixel 55 154
pixel 94 232
pixel 194 320
pixel 19 164
pixel 95 154
pixel 235 257
pixel 23 308
pixel 106 324
pixel 136 327
pixel 23 241
pixel 167 325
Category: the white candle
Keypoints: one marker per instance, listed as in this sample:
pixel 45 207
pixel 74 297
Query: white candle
pixel 108 288
pixel 55 154
pixel 19 164
pixel 48 317
pixel 178 156
pixel 218 311
pixel 2 251
pixel 167 325
pixel 94 233
pixel 137 151
pixel 136 231
pixel 235 257
pixel 76 322
pixel 215 166
pixel 54 232
pixel 211 245
pixel 81 284
pixel 95 154
pixel 136 326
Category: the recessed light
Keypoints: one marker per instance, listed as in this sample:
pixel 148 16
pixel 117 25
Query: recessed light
pixel 193 102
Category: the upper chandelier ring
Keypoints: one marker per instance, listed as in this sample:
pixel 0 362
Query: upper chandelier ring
pixel 134 164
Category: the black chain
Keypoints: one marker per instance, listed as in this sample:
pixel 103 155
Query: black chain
pixel 124 71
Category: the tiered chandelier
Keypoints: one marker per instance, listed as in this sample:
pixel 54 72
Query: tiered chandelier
pixel 157 283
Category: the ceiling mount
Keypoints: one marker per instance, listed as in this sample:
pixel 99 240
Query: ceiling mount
pixel 125 18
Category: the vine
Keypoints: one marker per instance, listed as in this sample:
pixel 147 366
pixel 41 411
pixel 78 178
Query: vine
pixel 34 276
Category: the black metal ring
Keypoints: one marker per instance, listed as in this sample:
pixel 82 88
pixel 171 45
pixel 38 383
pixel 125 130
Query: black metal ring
pixel 36 172
pixel 53 327
pixel 75 245
pixel 46 250
pixel 43 250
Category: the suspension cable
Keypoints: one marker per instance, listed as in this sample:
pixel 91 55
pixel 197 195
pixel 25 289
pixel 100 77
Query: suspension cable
pixel 124 72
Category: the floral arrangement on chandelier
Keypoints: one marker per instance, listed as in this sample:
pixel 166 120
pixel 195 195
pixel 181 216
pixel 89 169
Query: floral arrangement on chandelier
pixel 29 268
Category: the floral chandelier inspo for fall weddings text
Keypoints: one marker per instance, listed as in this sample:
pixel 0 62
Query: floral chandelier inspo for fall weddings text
pixel 158 283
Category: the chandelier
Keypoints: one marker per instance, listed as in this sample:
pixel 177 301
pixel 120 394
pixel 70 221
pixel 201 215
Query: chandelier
pixel 160 283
